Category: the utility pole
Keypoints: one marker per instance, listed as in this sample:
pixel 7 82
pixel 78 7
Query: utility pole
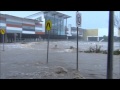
pixel 110 46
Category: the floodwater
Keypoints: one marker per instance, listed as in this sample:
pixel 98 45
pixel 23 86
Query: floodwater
pixel 22 58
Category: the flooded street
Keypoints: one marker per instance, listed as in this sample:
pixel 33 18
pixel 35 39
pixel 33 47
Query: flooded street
pixel 29 60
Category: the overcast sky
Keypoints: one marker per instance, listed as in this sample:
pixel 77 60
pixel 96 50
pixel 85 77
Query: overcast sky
pixel 90 19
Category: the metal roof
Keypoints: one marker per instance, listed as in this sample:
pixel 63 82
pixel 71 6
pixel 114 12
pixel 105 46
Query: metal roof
pixel 57 13
pixel 50 12
pixel 11 16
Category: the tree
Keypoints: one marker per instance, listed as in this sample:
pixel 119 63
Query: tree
pixel 117 20
pixel 105 38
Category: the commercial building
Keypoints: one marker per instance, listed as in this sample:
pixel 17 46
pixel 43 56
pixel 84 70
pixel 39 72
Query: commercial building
pixel 59 22
pixel 33 26
pixel 72 32
pixel 90 35
pixel 99 34
pixel 17 28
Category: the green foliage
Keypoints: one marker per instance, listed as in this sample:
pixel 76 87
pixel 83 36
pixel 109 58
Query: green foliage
pixel 116 52
pixel 105 38
pixel 97 49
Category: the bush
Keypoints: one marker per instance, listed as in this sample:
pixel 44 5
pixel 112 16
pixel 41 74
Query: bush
pixel 116 52
pixel 97 49
pixel 71 47
pixel 105 52
pixel 91 49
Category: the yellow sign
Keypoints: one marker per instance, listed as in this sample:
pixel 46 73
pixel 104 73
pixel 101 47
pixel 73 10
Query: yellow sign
pixel 2 31
pixel 48 25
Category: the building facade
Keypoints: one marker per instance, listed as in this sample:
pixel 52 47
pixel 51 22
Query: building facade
pixel 59 27
pixel 33 26
pixel 99 34
pixel 14 24
pixel 18 27
pixel 90 34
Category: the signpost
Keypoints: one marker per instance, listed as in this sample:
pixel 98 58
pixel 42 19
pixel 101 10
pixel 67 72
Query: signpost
pixel 2 31
pixel 78 24
pixel 48 26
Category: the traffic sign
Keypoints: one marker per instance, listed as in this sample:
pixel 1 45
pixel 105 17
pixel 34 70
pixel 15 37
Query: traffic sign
pixel 2 31
pixel 78 19
pixel 48 25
